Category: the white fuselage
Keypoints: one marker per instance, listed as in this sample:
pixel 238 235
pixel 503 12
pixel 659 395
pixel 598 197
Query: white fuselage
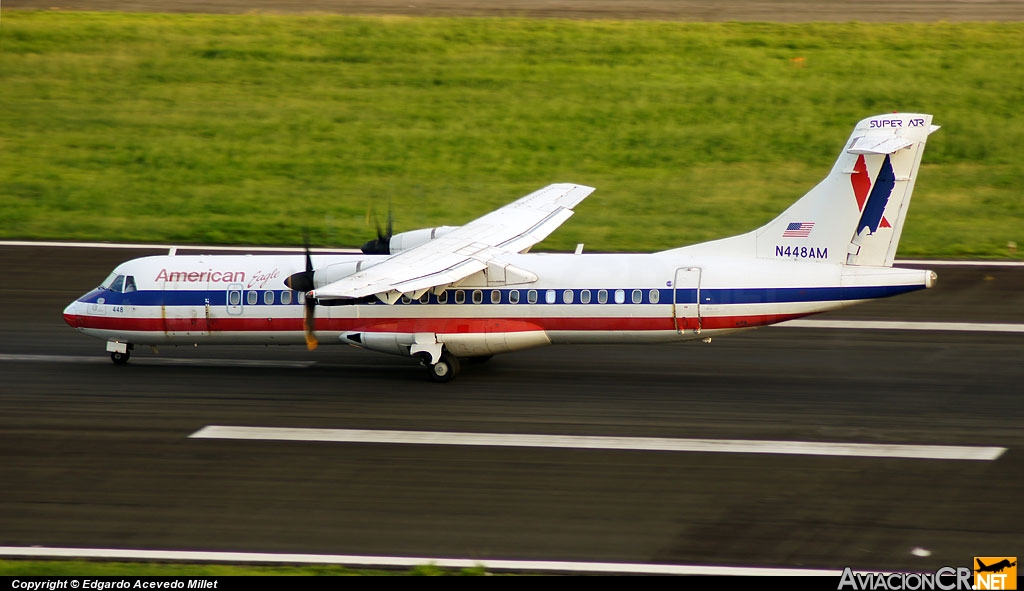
pixel 576 298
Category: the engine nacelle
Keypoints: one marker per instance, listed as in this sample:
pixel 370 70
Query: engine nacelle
pixel 414 238
pixel 331 273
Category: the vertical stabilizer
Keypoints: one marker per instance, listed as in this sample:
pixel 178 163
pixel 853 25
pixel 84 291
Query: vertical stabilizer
pixel 855 216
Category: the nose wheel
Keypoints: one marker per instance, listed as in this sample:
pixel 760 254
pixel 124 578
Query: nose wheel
pixel 120 352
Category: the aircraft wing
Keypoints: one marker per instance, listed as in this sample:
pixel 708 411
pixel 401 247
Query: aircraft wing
pixel 468 249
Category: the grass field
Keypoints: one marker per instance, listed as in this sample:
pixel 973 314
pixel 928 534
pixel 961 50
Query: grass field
pixel 247 129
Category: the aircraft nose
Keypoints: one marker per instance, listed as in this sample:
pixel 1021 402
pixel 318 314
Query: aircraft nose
pixel 72 314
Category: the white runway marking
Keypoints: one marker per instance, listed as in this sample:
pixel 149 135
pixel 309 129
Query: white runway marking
pixel 298 249
pixel 864 450
pixel 410 562
pixel 898 325
pixel 356 250
pixel 959 263
pixel 101 358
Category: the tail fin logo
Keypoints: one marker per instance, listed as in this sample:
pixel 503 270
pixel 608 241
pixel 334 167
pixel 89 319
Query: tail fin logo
pixel 871 200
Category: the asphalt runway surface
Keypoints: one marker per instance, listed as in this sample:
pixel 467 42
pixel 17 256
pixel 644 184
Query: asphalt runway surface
pixel 93 455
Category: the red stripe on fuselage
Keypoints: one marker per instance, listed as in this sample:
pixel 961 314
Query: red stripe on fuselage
pixel 414 325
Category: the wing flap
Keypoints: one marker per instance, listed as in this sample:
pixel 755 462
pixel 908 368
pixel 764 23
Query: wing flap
pixel 452 275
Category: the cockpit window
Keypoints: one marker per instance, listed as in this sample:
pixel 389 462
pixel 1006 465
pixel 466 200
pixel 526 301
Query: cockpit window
pixel 129 284
pixel 118 284
pixel 108 281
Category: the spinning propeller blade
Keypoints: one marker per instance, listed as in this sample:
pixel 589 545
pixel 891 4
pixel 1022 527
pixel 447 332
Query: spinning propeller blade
pixel 303 282
pixel 382 244
pixel 308 322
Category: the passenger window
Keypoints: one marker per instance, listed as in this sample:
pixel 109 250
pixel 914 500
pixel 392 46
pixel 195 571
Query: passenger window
pixel 478 296
pixel 268 298
pixel 406 300
pixel 251 297
pixel 425 298
pixel 301 298
pixel 286 297
pixel 460 297
pixel 585 296
pixel 602 297
pixel 513 296
pixel 495 296
pixel 567 296
pixel 129 284
pixel 442 298
pixel 620 296
pixel 234 297
pixel 654 296
pixel 118 284
pixel 531 296
pixel 549 296
pixel 638 296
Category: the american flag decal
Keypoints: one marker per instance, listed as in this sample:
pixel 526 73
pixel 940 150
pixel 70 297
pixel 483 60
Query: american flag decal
pixel 798 230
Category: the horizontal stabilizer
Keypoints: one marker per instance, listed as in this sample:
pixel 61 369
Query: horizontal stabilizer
pixel 873 144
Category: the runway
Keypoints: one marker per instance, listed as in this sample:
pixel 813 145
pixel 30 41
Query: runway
pixel 98 456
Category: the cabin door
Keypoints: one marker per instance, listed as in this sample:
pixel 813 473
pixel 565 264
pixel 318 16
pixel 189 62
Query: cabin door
pixel 686 300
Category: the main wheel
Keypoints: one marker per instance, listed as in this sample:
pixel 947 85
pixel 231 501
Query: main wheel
pixel 445 369
pixel 120 358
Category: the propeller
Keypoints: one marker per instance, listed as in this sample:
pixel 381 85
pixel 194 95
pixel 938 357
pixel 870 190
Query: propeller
pixel 303 282
pixel 382 244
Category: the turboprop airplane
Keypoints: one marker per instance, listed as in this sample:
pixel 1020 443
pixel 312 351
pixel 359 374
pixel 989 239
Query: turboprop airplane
pixel 449 293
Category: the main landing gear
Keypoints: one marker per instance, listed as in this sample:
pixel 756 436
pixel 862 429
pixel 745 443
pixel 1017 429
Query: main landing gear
pixel 446 368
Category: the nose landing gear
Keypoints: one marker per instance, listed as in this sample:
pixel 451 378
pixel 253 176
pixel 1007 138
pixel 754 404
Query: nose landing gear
pixel 120 353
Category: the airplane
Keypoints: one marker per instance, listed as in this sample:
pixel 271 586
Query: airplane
pixel 454 293
pixel 994 568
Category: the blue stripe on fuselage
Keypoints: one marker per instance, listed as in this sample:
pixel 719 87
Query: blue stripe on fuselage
pixel 708 296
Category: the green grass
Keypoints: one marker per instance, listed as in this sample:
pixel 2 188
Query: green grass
pixel 246 129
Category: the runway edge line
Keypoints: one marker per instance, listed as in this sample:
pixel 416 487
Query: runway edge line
pixel 407 562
